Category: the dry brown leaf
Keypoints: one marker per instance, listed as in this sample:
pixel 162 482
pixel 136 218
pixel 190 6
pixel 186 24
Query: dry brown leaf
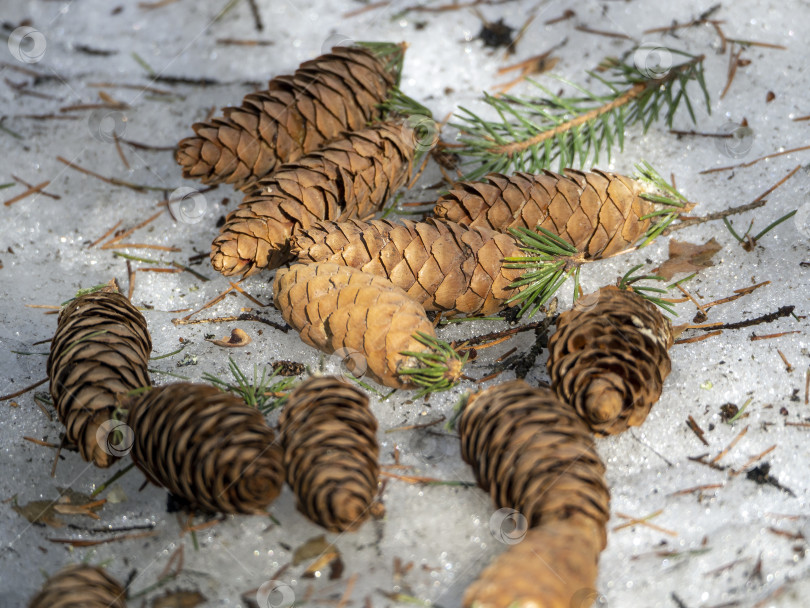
pixel 45 511
pixel 237 338
pixel 688 257
pixel 314 547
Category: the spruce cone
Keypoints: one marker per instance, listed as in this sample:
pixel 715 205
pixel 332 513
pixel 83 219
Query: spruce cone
pixel 99 352
pixel 608 358
pixel 207 447
pixel 295 115
pixel 339 308
pixel 351 177
pixel 599 213
pixel 554 566
pixel 80 586
pixel 533 454
pixel 329 436
pixel 442 265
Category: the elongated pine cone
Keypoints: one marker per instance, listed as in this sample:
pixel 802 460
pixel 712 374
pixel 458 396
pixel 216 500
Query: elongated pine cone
pixel 100 351
pixel 80 586
pixel 295 115
pixel 350 177
pixel 609 358
pixel 599 213
pixel 442 265
pixel 532 453
pixel 329 436
pixel 339 308
pixel 553 566
pixel 207 447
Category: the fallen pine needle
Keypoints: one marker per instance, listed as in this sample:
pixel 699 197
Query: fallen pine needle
pixel 730 446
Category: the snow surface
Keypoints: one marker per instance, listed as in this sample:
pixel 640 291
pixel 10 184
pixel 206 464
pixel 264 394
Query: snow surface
pixel 443 530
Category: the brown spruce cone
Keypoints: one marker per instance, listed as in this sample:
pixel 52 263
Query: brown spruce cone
pixel 80 586
pixel 100 351
pixel 609 358
pixel 339 308
pixel 351 177
pixel 533 454
pixel 207 447
pixel 553 566
pixel 329 436
pixel 599 213
pixel 295 115
pixel 442 265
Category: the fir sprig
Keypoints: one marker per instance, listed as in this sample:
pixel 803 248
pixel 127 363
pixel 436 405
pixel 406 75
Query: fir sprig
pixel 665 194
pixel 551 260
pixel 530 133
pixel 438 369
pixel 265 393
pixel 629 281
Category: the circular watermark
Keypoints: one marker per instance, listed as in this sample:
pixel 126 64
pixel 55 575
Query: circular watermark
pixel 275 594
pixel 115 438
pixel 336 39
pixel 802 219
pixel 420 132
pixel 428 447
pixel 508 526
pixel 735 140
pixel 107 124
pixel 27 44
pixel 588 598
pixel 187 205
pixel 587 302
pixel 350 362
pixel 652 61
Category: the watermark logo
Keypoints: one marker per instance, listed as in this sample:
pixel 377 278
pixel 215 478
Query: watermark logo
pixel 735 140
pixel 652 61
pixel 187 205
pixel 334 40
pixel 115 438
pixel 428 447
pixel 275 594
pixel 27 44
pixel 508 526
pixel 107 125
pixel 420 132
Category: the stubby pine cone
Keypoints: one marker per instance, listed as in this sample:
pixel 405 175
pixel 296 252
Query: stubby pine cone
pixel 350 177
pixel 553 566
pixel 295 115
pixel 442 265
pixel 99 352
pixel 533 454
pixel 599 213
pixel 339 308
pixel 80 586
pixel 609 358
pixel 329 436
pixel 207 447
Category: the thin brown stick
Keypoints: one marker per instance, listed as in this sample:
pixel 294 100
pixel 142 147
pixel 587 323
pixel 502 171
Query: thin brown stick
pixel 129 232
pixel 755 161
pixel 40 442
pixel 730 446
pixel 55 197
pixel 710 486
pixel 108 180
pixel 130 281
pixel 754 337
pixel 27 193
pixel 693 426
pixel 120 151
pixel 588 30
pixel 698 338
pixel 753 459
pixel 105 235
pixel 23 391
pixel 738 294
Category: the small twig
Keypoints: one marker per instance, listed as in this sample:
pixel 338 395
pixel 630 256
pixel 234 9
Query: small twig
pixel 23 391
pixel 755 161
pixel 699 338
pixel 693 426
pixel 730 446
pixel 588 30
pixel 710 486
pixel 55 197
pixel 29 192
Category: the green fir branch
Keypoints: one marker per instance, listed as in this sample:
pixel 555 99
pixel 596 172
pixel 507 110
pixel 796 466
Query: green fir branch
pixel 530 133
pixel 629 282
pixel 264 393
pixel 438 369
